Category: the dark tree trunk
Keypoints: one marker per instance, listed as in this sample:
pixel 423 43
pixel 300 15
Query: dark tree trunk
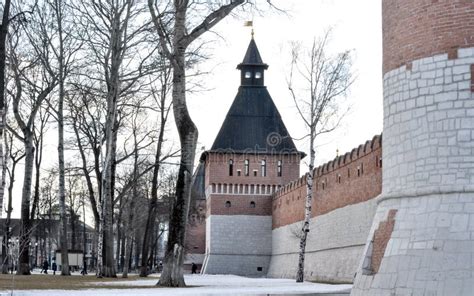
pixel 172 275
pixel 3 39
pixel 25 230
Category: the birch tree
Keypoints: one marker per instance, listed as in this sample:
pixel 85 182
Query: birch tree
pixel 115 34
pixel 318 84
pixel 14 155
pixel 63 48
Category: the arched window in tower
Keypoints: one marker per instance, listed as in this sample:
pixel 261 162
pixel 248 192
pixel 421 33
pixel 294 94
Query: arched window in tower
pixel 264 168
pixel 252 204
pixel 227 204
pixel 246 167
pixel 231 167
pixel 248 75
pixel 258 75
pixel 279 168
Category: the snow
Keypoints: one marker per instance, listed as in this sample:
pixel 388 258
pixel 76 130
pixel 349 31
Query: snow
pixel 201 285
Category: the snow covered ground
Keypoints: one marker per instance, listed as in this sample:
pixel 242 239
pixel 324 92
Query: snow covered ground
pixel 201 285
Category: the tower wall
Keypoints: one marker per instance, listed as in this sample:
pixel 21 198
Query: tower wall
pixel 421 240
pixel 238 217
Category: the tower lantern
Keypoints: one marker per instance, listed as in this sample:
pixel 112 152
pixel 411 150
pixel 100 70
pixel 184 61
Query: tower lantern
pixel 252 67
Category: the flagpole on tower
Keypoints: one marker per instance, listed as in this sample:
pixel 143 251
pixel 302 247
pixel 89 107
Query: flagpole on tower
pixel 250 24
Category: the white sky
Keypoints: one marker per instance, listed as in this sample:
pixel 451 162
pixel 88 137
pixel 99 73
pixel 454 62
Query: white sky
pixel 356 26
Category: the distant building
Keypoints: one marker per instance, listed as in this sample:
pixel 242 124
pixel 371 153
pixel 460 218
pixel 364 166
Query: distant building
pixel 45 239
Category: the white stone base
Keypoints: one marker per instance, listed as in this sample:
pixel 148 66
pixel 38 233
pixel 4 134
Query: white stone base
pixel 246 265
pixel 238 244
pixel 431 249
pixel 334 247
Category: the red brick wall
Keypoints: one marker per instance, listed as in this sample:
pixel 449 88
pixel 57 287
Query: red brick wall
pixel 196 229
pixel 222 186
pixel 217 169
pixel 239 205
pixel 381 237
pixel 351 188
pixel 414 29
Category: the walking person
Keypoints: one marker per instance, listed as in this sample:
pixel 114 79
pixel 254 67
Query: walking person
pixel 84 268
pixel 45 267
pixel 193 268
pixel 55 267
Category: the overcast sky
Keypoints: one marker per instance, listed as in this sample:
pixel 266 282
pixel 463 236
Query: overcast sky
pixel 356 26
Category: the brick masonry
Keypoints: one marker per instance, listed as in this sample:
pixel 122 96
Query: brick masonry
pixel 239 209
pixel 344 192
pixel 428 171
pixel 195 243
pixel 349 179
pixel 380 240
pixel 423 28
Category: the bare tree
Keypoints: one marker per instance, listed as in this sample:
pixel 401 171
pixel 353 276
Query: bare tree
pixel 116 37
pixel 86 112
pixel 64 48
pixel 322 81
pixel 131 207
pixel 47 212
pixel 14 155
pixel 171 22
pixel 34 80
pixel 160 98
pixel 40 129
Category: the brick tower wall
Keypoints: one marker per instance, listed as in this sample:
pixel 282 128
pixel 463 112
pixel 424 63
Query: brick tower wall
pixel 238 211
pixel 424 222
pixel 343 208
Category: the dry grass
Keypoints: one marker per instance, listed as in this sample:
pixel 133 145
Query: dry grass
pixel 48 281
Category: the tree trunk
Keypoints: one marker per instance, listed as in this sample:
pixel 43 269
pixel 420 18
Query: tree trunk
pixel 9 211
pixel 131 209
pixel 62 187
pixel 90 186
pixel 3 38
pixel 307 211
pixel 36 194
pixel 119 234
pixel 151 218
pixel 25 230
pixel 172 275
pixel 6 231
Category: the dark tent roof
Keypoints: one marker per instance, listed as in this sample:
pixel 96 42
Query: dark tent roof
pixel 198 187
pixel 253 124
pixel 252 56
